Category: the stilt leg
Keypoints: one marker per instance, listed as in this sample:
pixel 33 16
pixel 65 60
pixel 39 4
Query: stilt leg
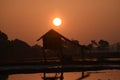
pixel 61 77
pixel 82 74
pixel 44 76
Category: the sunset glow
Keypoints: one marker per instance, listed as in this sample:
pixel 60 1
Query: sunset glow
pixel 57 21
pixel 59 39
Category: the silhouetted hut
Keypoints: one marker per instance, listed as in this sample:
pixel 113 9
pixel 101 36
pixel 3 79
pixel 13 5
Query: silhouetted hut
pixel 53 40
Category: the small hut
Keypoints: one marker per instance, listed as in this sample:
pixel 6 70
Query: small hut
pixel 54 41
pixel 51 40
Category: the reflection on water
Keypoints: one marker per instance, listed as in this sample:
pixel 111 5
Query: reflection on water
pixel 99 75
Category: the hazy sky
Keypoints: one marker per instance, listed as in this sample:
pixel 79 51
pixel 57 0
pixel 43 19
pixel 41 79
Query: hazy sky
pixel 83 20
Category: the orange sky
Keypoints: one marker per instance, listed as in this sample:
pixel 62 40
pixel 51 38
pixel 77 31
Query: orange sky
pixel 83 20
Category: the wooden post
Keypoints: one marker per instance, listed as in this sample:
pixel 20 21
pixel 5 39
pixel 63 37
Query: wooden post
pixel 83 57
pixel 44 76
pixel 82 74
pixel 61 76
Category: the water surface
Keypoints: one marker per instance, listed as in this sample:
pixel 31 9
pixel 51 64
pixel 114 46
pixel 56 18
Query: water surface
pixel 99 75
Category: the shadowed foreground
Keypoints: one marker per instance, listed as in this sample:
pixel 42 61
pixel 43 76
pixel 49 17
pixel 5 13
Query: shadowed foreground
pixel 58 55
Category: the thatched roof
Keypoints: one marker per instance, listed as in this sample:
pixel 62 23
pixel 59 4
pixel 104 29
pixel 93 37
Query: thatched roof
pixel 53 32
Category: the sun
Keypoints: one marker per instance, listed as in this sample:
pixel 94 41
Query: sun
pixel 57 21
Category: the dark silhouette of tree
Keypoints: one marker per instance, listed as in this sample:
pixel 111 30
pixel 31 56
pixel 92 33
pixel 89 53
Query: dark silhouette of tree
pixel 4 43
pixel 37 47
pixel 75 42
pixel 19 48
pixel 94 43
pixel 3 36
pixel 118 46
pixel 90 46
pixel 19 44
pixel 102 44
pixel 37 51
